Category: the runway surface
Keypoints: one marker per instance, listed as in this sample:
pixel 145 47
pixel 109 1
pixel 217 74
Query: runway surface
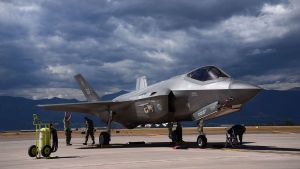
pixel 260 151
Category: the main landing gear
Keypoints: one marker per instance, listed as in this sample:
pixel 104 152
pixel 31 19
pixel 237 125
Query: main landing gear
pixel 175 135
pixel 201 140
pixel 104 137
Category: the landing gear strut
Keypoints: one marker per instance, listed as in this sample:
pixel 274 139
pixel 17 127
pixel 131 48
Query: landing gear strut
pixel 104 137
pixel 175 135
pixel 201 140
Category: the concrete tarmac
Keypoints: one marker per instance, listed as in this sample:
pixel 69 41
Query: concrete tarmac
pixel 260 151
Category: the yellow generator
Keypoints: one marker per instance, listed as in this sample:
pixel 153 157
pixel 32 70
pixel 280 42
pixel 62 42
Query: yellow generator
pixel 42 139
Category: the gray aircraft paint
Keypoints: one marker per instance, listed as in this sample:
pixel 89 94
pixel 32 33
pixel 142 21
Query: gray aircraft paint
pixel 180 98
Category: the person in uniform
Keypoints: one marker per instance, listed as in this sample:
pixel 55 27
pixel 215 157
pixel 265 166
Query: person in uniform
pixel 54 138
pixel 237 131
pixel 89 130
pixel 67 128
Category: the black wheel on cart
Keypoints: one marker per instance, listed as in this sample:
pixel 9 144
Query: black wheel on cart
pixel 46 151
pixel 32 151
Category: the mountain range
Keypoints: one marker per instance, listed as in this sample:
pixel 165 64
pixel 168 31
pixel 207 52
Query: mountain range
pixel 270 107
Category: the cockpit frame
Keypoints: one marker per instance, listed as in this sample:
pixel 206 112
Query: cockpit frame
pixel 207 73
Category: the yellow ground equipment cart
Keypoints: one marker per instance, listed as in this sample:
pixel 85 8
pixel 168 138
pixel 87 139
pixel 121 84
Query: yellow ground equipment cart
pixel 42 139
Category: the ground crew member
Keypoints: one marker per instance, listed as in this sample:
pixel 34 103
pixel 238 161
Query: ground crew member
pixel 54 138
pixel 89 130
pixel 237 131
pixel 179 132
pixel 67 128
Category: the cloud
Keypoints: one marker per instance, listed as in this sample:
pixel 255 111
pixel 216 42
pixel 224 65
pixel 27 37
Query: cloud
pixel 261 51
pixel 270 23
pixel 43 44
pixel 161 56
pixel 48 93
pixel 278 9
pixel 280 86
pixel 61 71
pixel 283 80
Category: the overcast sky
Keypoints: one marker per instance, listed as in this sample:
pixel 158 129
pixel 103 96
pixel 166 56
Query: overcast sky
pixel 43 44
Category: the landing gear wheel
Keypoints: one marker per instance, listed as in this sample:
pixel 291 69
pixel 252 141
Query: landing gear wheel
pixel 202 141
pixel 104 138
pixel 46 151
pixel 32 151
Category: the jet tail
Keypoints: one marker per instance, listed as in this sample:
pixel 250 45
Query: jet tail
pixel 141 83
pixel 87 90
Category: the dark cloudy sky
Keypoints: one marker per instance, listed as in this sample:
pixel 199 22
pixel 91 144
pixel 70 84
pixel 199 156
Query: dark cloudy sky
pixel 44 43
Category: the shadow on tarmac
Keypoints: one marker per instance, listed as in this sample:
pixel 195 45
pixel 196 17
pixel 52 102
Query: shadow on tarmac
pixel 186 145
pixel 64 157
pixel 216 145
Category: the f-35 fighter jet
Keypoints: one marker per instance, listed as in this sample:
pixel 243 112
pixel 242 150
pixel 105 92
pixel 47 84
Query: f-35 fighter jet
pixel 199 95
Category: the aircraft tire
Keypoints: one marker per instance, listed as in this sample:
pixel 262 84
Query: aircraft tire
pixel 32 151
pixel 202 141
pixel 46 151
pixel 104 138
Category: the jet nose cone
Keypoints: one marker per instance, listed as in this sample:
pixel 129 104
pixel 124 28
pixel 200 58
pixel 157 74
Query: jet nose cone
pixel 243 92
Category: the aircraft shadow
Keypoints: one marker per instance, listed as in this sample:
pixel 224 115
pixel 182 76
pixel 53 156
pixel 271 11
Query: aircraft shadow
pixel 187 145
pixel 64 157
pixel 214 145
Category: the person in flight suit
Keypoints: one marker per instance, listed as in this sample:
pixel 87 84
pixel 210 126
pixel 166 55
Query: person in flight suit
pixel 67 128
pixel 89 130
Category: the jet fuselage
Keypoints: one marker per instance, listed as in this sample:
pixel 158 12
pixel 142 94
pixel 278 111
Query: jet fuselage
pixel 178 98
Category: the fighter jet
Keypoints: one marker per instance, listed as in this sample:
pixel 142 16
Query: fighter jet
pixel 199 95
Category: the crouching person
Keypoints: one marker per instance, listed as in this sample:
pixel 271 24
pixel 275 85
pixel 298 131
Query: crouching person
pixel 237 131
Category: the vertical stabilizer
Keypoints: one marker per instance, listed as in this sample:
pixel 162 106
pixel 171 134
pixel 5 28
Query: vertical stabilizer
pixel 87 90
pixel 141 83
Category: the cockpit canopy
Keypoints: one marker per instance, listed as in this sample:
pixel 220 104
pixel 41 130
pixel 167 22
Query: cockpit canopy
pixel 207 73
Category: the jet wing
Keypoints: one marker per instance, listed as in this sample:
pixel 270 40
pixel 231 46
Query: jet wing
pixel 86 107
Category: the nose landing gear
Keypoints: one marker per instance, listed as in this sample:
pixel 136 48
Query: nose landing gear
pixel 201 139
